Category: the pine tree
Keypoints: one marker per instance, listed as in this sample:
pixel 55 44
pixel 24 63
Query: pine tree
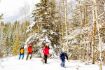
pixel 46 17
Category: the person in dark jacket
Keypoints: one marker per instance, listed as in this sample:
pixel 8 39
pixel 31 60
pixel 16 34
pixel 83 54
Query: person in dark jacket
pixel 21 53
pixel 29 53
pixel 63 56
pixel 46 53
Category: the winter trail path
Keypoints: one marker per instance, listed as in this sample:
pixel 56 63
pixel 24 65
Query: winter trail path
pixel 13 63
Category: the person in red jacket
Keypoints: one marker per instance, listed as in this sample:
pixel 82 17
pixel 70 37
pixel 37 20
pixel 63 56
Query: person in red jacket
pixel 29 53
pixel 46 53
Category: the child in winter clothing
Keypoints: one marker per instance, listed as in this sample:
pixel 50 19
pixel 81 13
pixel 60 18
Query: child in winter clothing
pixel 63 56
pixel 29 51
pixel 21 53
pixel 46 53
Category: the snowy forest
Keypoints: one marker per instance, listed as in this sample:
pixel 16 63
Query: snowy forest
pixel 76 26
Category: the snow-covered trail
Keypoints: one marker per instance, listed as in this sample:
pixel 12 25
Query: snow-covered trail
pixel 13 63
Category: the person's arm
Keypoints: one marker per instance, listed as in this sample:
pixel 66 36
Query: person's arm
pixel 66 56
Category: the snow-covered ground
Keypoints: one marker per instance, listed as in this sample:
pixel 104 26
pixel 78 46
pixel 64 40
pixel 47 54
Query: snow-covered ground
pixel 13 63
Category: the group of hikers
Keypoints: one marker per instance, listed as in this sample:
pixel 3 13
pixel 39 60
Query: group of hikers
pixel 45 50
pixel 29 52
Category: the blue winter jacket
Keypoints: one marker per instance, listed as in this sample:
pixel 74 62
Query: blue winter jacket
pixel 63 56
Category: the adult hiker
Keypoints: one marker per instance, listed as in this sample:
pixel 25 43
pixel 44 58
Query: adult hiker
pixel 63 57
pixel 21 55
pixel 29 51
pixel 45 52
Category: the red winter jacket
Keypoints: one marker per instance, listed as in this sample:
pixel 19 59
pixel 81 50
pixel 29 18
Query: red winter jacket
pixel 46 51
pixel 30 49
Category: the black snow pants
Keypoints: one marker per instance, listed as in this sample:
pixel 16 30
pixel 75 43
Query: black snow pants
pixel 45 58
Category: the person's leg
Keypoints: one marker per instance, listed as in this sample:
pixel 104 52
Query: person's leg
pixel 22 56
pixel 30 56
pixel 19 56
pixel 45 58
pixel 27 56
pixel 63 63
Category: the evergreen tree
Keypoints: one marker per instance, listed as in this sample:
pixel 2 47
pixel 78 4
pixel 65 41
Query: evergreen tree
pixel 46 17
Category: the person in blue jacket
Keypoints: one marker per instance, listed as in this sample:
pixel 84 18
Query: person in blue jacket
pixel 63 56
